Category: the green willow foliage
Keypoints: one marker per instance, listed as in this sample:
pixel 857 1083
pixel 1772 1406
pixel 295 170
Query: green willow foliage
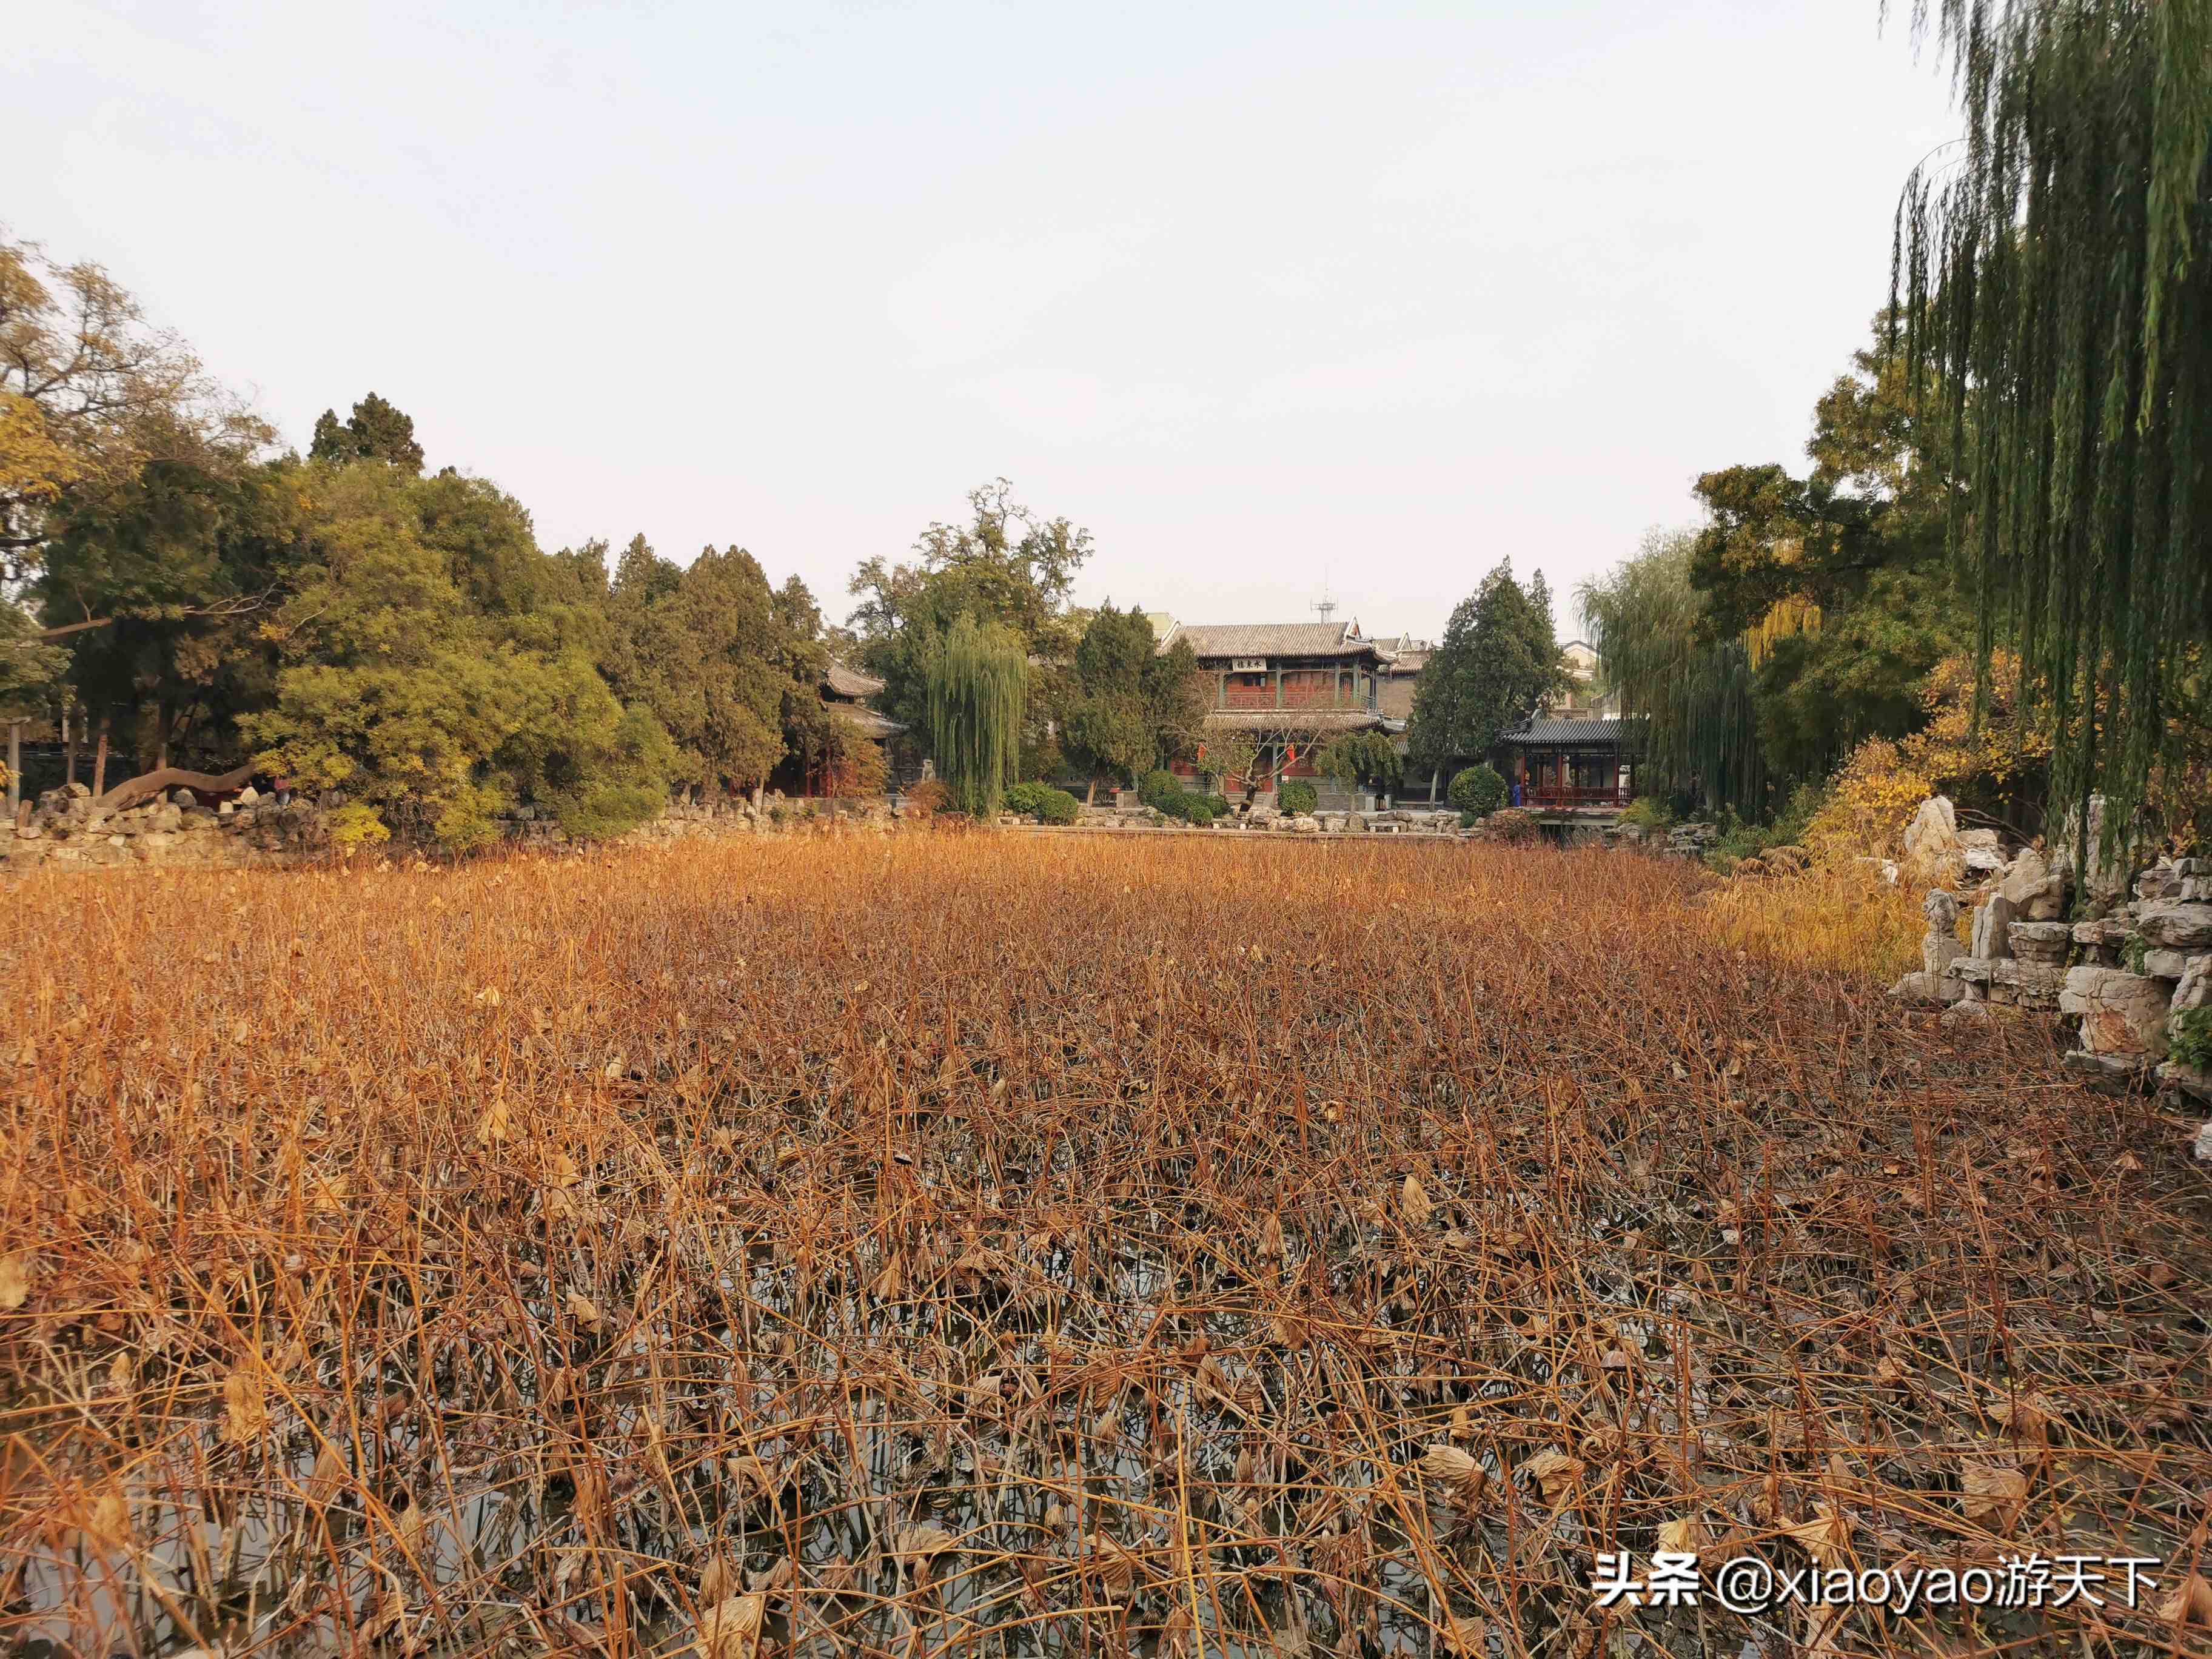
pixel 977 686
pixel 1701 726
pixel 2059 271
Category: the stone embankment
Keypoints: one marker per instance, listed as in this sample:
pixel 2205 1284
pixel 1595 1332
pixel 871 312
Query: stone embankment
pixel 1402 821
pixel 2127 957
pixel 66 828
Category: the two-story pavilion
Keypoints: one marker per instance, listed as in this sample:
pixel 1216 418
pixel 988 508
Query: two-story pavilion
pixel 1289 687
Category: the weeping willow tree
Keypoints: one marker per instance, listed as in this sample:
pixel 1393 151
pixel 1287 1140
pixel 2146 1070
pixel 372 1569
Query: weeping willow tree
pixel 1693 694
pixel 977 685
pixel 2056 270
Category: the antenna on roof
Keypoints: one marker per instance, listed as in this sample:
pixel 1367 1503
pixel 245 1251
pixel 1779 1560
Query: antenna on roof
pixel 1325 606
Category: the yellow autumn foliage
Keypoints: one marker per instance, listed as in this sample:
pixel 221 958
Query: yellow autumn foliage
pixel 1875 793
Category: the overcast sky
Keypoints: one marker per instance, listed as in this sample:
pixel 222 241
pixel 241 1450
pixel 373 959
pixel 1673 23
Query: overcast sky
pixel 1262 294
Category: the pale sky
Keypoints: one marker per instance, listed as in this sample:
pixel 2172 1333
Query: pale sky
pixel 1260 294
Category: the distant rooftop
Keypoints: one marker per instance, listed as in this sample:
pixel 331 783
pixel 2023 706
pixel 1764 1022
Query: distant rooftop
pixel 1328 638
pixel 850 682
pixel 1595 734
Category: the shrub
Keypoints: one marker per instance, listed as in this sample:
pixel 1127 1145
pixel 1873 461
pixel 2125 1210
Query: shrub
pixel 928 799
pixel 1156 789
pixel 1468 820
pixel 1478 789
pixel 1991 760
pixel 2191 1038
pixel 1297 796
pixel 1648 812
pixel 357 826
pixel 1846 919
pixel 862 768
pixel 1058 806
pixel 1024 799
pixel 1188 806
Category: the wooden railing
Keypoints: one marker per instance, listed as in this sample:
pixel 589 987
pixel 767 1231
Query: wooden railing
pixel 1555 794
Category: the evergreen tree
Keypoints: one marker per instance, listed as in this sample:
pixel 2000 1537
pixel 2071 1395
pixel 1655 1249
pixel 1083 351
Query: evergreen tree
pixel 377 432
pixel 1131 708
pixel 1499 659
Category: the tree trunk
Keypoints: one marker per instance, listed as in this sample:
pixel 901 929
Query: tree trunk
pixel 1090 791
pixel 161 745
pixel 69 746
pixel 100 761
pixel 14 765
pixel 131 791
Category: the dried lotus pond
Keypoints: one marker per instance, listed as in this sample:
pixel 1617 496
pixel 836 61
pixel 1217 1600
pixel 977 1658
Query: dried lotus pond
pixel 995 1245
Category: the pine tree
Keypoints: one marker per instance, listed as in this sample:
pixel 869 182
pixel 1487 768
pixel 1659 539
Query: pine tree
pixel 1499 659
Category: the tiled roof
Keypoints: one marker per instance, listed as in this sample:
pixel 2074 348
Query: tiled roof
pixel 1594 732
pixel 1301 720
pixel 871 724
pixel 1328 638
pixel 850 682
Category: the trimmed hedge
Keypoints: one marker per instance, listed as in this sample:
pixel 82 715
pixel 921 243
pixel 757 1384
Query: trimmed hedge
pixel 1478 789
pixel 1297 797
pixel 1043 802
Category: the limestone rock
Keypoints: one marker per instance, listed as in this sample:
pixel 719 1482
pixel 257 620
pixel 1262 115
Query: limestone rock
pixel 2111 1074
pixel 2195 990
pixel 2202 1148
pixel 2122 1013
pixel 2162 881
pixel 2176 926
pixel 1932 847
pixel 2026 984
pixel 2102 876
pixel 1928 990
pixel 2035 890
pixel 1992 931
pixel 2039 941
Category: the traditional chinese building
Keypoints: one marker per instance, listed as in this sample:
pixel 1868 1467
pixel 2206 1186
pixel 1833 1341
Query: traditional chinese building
pixel 1576 750
pixel 1288 688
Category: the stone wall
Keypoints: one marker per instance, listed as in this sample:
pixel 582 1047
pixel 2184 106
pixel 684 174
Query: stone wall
pixel 67 829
